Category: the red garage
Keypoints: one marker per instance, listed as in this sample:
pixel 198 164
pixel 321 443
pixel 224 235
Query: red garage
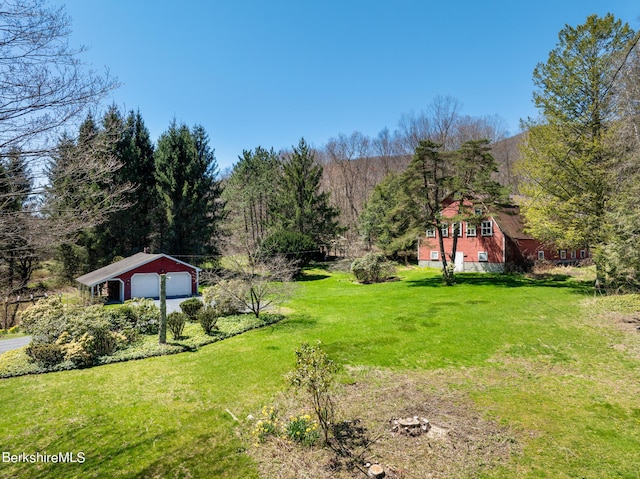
pixel 138 276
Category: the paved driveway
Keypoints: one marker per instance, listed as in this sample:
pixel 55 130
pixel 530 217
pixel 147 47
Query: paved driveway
pixel 13 343
pixel 173 304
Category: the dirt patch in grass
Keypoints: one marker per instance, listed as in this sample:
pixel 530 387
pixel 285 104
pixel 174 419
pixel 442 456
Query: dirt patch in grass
pixel 460 443
pixel 622 311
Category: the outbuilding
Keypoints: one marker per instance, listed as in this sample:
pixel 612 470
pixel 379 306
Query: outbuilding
pixel 138 276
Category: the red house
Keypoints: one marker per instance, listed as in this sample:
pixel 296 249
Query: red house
pixel 138 276
pixel 496 242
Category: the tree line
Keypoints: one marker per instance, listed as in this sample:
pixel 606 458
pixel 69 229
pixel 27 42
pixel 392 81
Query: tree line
pixel 88 189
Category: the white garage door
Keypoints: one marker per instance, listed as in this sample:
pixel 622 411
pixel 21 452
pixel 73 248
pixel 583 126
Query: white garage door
pixel 178 284
pixel 145 285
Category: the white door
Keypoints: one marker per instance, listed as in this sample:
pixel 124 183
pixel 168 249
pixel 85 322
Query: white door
pixel 178 284
pixel 145 285
pixel 459 263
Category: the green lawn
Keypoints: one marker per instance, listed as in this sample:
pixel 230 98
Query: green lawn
pixel 533 355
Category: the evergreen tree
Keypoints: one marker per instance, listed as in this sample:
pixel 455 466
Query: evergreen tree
pixel 131 229
pixel 569 159
pixel 81 243
pixel 404 206
pixel 189 192
pixel 248 191
pixel 17 250
pixel 299 205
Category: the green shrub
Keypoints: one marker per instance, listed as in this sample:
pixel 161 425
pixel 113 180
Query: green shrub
pixel 45 354
pixel 79 334
pixel 190 307
pixel 315 375
pixel 208 317
pixel 292 245
pixel 372 268
pixel 45 320
pixel 223 296
pixel 123 317
pixel 175 323
pixel 147 315
pixel 84 350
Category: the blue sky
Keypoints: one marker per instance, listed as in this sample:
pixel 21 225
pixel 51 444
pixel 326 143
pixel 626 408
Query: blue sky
pixel 266 73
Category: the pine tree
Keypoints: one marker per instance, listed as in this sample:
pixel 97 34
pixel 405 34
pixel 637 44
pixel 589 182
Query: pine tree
pixel 299 205
pixel 189 192
pixel 131 229
pixel 569 161
pixel 248 191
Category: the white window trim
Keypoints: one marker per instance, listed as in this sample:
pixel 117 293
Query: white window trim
pixel 583 254
pixel 563 254
pixel 434 256
pixel 471 229
pixel 486 228
pixel 444 231
pixel 431 232
pixel 483 256
pixel 541 254
pixel 573 254
pixel 457 227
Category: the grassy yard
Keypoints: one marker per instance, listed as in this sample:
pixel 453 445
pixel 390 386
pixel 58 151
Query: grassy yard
pixel 539 357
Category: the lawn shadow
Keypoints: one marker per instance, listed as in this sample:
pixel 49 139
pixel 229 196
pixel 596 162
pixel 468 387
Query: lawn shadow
pixel 509 281
pixel 295 322
pixel 304 277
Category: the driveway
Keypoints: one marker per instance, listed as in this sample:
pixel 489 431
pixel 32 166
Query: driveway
pixel 13 343
pixel 173 304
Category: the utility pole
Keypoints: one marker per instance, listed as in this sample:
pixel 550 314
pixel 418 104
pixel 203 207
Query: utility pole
pixel 162 333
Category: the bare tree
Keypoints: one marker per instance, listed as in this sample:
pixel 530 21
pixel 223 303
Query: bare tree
pixel 44 89
pixel 43 85
pixel 257 283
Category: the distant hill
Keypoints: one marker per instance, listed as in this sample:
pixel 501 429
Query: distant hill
pixel 507 153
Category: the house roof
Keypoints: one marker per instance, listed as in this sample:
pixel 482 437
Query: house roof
pixel 114 269
pixel 510 221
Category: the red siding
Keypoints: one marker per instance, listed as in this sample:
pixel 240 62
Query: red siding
pixel 160 266
pixel 469 245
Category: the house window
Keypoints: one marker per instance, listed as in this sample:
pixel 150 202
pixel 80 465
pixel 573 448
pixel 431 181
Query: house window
pixel 434 255
pixel 483 256
pixel 444 230
pixel 431 232
pixel 583 254
pixel 457 229
pixel 486 228
pixel 477 211
pixel 563 254
pixel 541 255
pixel 573 255
pixel 471 229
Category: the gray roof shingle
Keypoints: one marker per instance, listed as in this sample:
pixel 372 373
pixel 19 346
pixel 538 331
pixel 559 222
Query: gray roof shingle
pixel 108 272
